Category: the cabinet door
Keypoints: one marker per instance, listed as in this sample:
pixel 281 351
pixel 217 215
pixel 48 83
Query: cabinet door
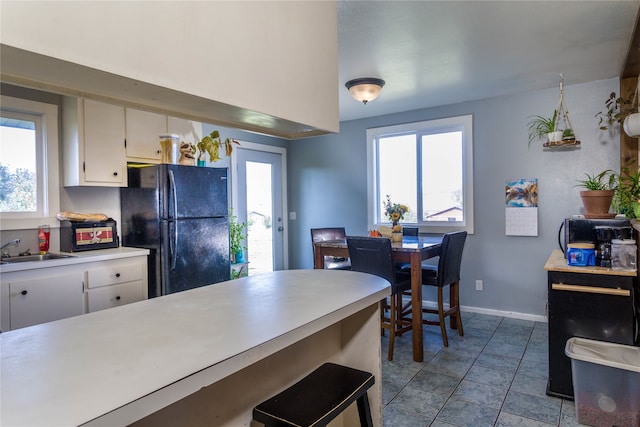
pixel 104 154
pixel 143 134
pixel 40 300
pixel 188 130
pixel 115 295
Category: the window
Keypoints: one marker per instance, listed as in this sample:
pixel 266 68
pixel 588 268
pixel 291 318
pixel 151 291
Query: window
pixel 29 190
pixel 427 166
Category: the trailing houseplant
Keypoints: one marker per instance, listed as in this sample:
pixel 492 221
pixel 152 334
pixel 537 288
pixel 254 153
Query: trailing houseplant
pixel 598 194
pixel 544 128
pixel 617 109
pixel 212 144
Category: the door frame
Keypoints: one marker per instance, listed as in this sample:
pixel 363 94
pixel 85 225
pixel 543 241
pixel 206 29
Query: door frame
pixel 233 172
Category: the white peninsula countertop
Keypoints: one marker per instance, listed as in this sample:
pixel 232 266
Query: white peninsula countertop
pixel 116 366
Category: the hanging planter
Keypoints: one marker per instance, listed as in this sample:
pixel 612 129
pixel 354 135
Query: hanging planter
pixel 556 131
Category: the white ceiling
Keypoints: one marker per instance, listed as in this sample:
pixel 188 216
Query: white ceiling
pixel 434 53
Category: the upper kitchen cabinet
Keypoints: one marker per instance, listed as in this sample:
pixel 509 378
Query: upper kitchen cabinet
pixel 143 130
pixel 188 130
pixel 93 138
pixel 244 72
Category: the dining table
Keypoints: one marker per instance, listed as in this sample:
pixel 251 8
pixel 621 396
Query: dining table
pixel 411 250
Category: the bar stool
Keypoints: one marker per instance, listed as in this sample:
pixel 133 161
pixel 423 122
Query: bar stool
pixel 318 398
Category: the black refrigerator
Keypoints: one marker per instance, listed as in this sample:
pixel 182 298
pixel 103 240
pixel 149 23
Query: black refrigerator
pixel 179 213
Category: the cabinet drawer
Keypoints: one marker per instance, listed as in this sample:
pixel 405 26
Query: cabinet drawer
pixel 114 273
pixel 114 296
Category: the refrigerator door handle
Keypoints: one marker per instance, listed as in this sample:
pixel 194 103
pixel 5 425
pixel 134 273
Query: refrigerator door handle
pixel 174 195
pixel 173 251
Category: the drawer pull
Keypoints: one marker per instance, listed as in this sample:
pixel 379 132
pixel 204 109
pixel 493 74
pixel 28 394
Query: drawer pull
pixel 117 274
pixel 118 298
pixel 24 292
pixel 590 289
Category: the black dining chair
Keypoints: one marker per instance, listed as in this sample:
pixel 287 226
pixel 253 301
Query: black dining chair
pixel 447 272
pixel 324 234
pixel 373 255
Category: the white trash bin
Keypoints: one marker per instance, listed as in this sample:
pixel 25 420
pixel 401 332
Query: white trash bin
pixel 606 382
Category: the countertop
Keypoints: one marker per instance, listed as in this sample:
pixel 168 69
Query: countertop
pixel 557 262
pixel 95 368
pixel 76 258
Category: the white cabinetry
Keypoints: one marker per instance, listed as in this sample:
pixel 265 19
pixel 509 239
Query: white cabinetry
pixel 40 295
pixel 143 132
pixel 116 283
pixel 44 298
pixel 188 130
pixel 94 152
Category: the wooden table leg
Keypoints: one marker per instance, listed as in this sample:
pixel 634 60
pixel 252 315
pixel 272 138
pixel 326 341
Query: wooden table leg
pixel 416 305
pixel 318 258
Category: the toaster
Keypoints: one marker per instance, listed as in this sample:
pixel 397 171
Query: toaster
pixel 86 236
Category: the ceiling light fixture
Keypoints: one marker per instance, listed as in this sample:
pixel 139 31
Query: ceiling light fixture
pixel 365 89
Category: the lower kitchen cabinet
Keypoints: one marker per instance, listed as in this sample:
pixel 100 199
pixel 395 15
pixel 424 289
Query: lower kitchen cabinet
pixel 39 295
pixel 45 299
pixel 115 283
pixel 586 302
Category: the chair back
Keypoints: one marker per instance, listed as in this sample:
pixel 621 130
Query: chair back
pixel 373 255
pixel 334 233
pixel 450 258
pixel 323 234
pixel 410 231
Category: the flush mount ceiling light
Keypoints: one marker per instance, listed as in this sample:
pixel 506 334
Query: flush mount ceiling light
pixel 365 89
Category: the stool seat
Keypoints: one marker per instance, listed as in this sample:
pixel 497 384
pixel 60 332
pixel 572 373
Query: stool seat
pixel 318 398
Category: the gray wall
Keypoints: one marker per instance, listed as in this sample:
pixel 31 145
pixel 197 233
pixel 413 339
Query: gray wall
pixel 328 187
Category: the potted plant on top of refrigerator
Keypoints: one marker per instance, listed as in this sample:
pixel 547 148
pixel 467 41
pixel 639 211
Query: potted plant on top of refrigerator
pixel 212 144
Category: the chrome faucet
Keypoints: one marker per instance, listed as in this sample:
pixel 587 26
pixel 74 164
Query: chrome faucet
pixel 5 251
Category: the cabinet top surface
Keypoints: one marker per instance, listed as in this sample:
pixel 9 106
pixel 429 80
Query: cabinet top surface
pixel 557 262
pixel 126 354
pixel 76 258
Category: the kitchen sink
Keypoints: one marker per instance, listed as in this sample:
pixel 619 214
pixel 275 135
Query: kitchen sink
pixel 32 258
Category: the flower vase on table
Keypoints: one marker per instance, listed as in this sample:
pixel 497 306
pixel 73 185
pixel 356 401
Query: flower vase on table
pixel 395 212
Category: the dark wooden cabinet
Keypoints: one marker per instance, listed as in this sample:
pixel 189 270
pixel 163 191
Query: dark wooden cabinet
pixel 586 305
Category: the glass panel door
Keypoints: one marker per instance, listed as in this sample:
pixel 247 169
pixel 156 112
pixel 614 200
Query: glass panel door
pixel 260 206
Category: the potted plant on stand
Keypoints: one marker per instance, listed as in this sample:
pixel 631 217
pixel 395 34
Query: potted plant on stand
pixel 598 194
pixel 627 194
pixel 545 128
pixel 237 236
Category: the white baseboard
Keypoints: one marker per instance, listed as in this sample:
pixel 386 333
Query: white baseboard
pixel 491 312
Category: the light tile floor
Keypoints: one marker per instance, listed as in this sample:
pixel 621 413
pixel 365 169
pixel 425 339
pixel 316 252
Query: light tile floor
pixel 495 375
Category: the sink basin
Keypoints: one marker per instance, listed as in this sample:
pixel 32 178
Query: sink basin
pixel 32 258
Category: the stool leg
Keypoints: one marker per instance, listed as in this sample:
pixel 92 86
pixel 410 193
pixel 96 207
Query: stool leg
pixel 364 411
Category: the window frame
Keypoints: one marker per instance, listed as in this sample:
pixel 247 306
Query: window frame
pixel 443 125
pixel 47 165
